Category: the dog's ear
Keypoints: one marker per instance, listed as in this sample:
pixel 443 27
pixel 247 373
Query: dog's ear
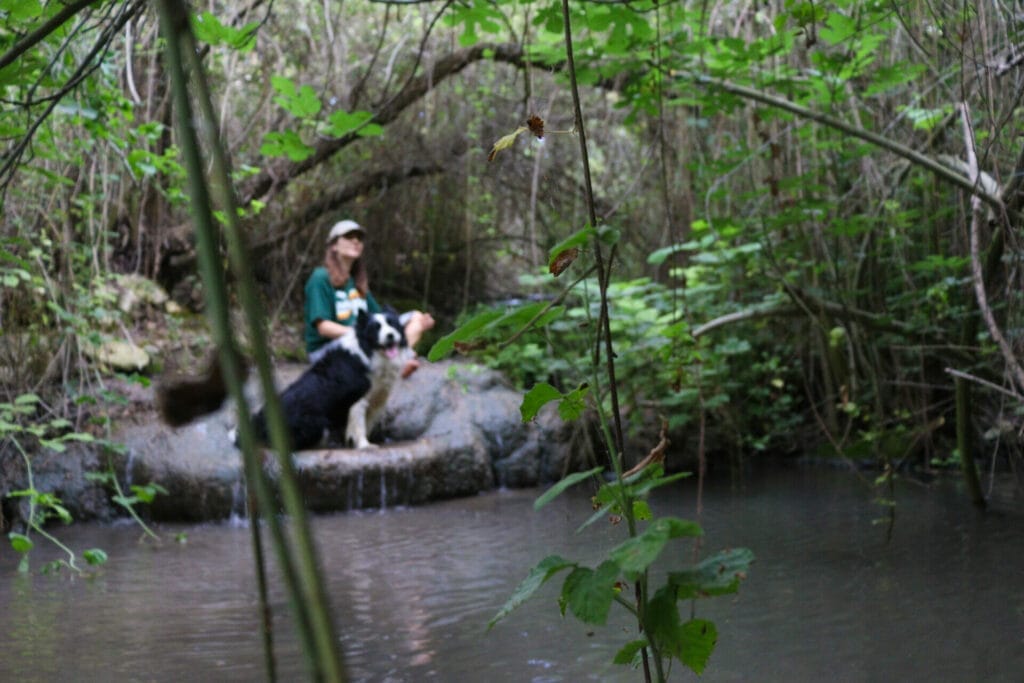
pixel 362 317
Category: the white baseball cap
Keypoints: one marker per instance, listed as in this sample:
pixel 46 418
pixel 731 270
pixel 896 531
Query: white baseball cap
pixel 342 228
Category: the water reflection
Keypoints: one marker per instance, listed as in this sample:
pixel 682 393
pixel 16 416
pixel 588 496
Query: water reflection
pixel 413 589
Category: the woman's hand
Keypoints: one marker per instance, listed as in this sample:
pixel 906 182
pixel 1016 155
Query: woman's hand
pixel 418 323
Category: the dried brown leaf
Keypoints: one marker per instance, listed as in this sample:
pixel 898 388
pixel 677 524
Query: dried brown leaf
pixel 469 347
pixel 564 260
pixel 536 126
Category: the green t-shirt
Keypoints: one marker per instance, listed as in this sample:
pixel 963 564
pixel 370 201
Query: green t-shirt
pixel 324 302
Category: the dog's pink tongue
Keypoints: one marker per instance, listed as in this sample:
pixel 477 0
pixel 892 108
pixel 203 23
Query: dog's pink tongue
pixel 391 352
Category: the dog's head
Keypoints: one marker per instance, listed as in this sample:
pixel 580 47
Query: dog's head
pixel 381 332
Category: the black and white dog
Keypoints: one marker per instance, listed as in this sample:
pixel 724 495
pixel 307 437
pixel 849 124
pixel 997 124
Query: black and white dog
pixel 384 371
pixel 339 383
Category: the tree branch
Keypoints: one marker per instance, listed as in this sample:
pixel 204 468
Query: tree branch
pixel 414 89
pixel 943 172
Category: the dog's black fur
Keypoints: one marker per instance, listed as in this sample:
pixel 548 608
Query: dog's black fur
pixel 320 399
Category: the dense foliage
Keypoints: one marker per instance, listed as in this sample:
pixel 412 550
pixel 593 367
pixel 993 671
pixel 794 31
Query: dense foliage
pixel 793 226
pixel 797 171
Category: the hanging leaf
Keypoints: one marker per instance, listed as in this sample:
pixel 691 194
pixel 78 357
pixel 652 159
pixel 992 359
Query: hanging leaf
pixel 505 142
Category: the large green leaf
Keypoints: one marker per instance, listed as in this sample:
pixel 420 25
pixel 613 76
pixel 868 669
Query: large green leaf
pixel 636 554
pixel 698 638
pixel 544 570
pixel 716 575
pixel 589 592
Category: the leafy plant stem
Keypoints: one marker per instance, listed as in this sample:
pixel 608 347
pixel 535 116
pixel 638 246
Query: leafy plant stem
pixel 130 508
pixel 301 572
pixel 32 523
pixel 616 444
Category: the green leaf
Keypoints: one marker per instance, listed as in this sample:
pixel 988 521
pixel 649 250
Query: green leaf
pixel 20 10
pixel 20 542
pixel 79 436
pixel 536 398
pixel 590 592
pixel 719 574
pixel 285 143
pixel 544 570
pixel 576 239
pixel 61 512
pixel 630 652
pixel 636 554
pixel 573 404
pixel 564 484
pixel 342 123
pixel 95 556
pixel 302 102
pixel 698 642
pixel 466 332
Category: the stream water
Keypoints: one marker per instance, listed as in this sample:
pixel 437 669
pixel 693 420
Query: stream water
pixel 828 599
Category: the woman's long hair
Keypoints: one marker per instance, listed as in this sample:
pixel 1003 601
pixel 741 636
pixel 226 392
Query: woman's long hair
pixel 339 275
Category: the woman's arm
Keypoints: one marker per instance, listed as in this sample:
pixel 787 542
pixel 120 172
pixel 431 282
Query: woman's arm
pixel 328 329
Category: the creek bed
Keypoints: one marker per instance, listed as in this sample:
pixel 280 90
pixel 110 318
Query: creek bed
pixel 413 588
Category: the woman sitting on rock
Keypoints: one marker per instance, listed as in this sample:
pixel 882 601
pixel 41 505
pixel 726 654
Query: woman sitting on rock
pixel 338 290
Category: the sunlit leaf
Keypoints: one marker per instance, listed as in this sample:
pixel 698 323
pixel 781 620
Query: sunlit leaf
pixel 505 142
pixel 95 556
pixel 285 143
pixel 20 542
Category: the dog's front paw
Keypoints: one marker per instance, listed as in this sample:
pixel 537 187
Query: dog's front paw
pixel 366 444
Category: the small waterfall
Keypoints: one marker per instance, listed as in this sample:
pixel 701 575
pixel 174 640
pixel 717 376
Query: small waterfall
pixel 383 489
pixel 129 465
pixel 239 494
pixel 409 482
pixel 359 490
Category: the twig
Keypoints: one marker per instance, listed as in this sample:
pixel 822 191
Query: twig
pixel 983 382
pixel 1016 371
